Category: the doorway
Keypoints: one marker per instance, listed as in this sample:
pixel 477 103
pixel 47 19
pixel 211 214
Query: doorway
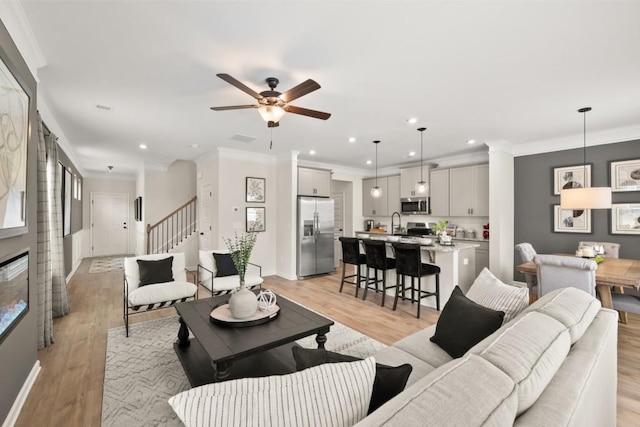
pixel 109 224
pixel 206 216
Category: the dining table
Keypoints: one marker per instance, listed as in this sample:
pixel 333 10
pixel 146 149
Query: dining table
pixel 611 272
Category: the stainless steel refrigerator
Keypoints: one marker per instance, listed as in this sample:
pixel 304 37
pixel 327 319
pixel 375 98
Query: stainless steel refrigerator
pixel 315 236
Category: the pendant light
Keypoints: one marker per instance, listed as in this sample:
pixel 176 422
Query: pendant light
pixel 587 197
pixel 376 192
pixel 422 188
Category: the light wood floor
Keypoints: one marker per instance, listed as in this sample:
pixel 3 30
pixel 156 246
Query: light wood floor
pixel 68 391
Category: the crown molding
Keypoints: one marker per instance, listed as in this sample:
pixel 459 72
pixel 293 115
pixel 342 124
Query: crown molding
pixel 611 136
pixel 110 176
pixel 17 24
pixel 155 167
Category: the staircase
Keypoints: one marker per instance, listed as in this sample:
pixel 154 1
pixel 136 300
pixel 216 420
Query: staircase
pixel 173 229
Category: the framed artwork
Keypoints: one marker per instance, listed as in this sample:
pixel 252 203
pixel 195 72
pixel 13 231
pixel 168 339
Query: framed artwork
pixel 14 110
pixel 571 221
pixel 136 213
pixel 255 189
pixel 625 218
pixel 256 219
pixel 625 175
pixel 571 177
pixel 66 201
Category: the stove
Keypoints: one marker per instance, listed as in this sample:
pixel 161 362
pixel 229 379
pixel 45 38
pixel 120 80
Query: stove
pixel 419 229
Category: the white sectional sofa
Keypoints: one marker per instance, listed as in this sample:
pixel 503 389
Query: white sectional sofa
pixel 555 364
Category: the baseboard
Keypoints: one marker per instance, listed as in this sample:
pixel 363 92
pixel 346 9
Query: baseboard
pixel 11 419
pixel 287 276
pixel 74 268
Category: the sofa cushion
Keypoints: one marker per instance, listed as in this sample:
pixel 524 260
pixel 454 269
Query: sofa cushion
pixel 132 271
pixel 572 307
pixel 155 271
pixel 530 350
pixel 388 383
pixel 161 292
pixel 464 392
pixel 393 356
pixel 224 265
pixel 335 394
pixel 419 345
pixel 489 291
pixel 464 323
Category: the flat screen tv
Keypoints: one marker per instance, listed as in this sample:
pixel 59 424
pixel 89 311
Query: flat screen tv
pixel 14 291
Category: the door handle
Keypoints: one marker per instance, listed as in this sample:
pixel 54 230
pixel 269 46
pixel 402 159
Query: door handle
pixel 202 234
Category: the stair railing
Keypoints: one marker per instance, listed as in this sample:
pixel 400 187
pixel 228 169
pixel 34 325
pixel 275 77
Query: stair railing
pixel 173 229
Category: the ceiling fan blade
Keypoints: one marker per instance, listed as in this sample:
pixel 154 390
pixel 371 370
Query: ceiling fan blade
pixel 233 107
pixel 300 90
pixel 232 81
pixel 306 112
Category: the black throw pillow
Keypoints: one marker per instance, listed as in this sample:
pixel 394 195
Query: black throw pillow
pixel 389 380
pixel 464 323
pixel 155 271
pixel 224 265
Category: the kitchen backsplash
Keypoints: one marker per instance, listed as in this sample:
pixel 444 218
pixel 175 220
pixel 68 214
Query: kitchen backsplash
pixel 466 223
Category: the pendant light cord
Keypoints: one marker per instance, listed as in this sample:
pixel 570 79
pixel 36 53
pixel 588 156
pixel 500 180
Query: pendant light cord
pixel 584 142
pixel 376 163
pixel 421 147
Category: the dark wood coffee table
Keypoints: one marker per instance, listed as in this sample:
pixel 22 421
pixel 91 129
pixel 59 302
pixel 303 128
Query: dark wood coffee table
pixel 219 353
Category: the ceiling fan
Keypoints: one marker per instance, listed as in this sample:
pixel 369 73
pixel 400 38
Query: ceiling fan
pixel 272 105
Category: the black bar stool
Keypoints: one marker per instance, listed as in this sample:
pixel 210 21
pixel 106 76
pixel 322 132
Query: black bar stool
pixel 351 255
pixel 409 263
pixel 376 252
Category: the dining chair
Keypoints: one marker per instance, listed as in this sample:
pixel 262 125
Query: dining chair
pixel 376 254
pixel 526 253
pixel 558 271
pixel 351 255
pixel 625 303
pixel 611 250
pixel 409 263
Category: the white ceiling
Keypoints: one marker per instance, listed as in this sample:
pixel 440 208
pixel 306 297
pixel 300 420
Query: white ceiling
pixel 491 71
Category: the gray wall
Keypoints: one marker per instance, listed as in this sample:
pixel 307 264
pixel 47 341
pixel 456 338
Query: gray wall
pixel 534 199
pixel 76 214
pixel 18 352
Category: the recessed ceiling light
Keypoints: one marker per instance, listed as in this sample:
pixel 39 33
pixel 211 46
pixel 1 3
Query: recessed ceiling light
pixel 412 120
pixel 352 139
pixel 412 153
pixel 471 141
pixel 195 145
pixel 312 152
pixel 369 162
pixel 143 146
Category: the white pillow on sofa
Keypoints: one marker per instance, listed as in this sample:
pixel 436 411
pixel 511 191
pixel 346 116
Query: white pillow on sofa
pixel 335 394
pixel 488 291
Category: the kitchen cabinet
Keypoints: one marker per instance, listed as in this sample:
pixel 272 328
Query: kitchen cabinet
pixel 469 191
pixel 409 177
pixel 439 191
pixel 314 182
pixel 385 205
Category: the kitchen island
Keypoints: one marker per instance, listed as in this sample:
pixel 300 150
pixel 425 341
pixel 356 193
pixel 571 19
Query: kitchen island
pixel 457 265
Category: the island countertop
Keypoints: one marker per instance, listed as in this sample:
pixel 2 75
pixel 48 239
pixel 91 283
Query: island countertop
pixel 436 247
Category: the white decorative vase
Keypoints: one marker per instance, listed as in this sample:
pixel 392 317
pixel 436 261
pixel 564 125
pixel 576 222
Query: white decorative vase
pixel 243 303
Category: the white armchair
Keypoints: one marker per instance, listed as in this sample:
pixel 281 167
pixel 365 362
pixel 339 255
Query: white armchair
pixel 208 274
pixel 168 285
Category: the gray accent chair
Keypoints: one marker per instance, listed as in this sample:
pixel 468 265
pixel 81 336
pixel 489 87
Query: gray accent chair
pixel 557 271
pixel 527 253
pixel 611 250
pixel 625 303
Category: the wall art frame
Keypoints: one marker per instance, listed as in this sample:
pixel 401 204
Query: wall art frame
pixel 571 221
pixel 625 218
pixel 566 177
pixel 66 200
pixel 625 175
pixel 255 190
pixel 256 219
pixel 15 101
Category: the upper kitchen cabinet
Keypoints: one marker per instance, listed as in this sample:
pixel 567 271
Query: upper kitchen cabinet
pixel 385 205
pixel 469 191
pixel 439 191
pixel 314 182
pixel 409 177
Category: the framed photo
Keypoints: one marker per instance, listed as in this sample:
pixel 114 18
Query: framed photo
pixel 256 219
pixel 625 218
pixel 136 213
pixel 571 221
pixel 625 175
pixel 571 177
pixel 14 110
pixel 255 189
pixel 66 201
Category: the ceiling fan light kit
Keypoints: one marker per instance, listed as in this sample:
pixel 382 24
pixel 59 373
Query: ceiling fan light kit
pixel 422 187
pixel 587 197
pixel 376 192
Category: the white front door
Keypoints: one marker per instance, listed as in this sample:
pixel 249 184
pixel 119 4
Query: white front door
pixel 206 216
pixel 109 224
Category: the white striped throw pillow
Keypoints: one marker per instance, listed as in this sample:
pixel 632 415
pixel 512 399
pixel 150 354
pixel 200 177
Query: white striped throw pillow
pixel 488 291
pixel 332 394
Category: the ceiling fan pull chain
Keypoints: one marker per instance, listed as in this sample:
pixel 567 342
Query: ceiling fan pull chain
pixel 271 142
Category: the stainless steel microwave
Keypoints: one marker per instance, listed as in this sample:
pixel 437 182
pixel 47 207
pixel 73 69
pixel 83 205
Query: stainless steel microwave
pixel 415 205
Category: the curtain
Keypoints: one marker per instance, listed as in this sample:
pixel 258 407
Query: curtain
pixel 51 282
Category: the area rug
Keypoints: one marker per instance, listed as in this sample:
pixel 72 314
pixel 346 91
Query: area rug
pixel 142 372
pixel 102 265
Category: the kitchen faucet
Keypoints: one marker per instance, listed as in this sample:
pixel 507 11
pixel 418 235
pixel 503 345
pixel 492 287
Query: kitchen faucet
pixel 393 230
